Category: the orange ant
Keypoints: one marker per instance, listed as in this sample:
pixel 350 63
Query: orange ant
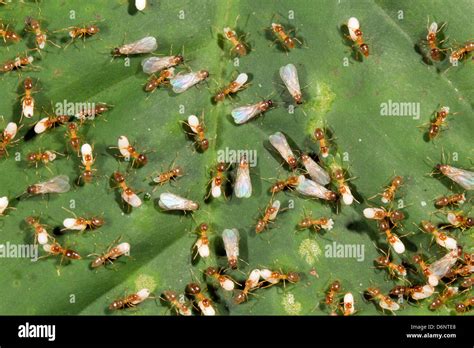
pixel 332 292
pixel 112 253
pixel 238 46
pixel 274 277
pixel 393 269
pixel 435 51
pixel 27 101
pixel 128 151
pixel 389 193
pixel 197 127
pixel 50 122
pixel 88 161
pixel 72 134
pixel 252 282
pixel 33 25
pixel 444 297
pixel 128 195
pixel 356 35
pixel 226 282
pixel 81 32
pixel 458 54
pixel 8 35
pixel 41 157
pixel 130 300
pixel 323 143
pixel 438 122
pixel 20 62
pixel 235 86
pixel 465 305
pixel 202 243
pixel 6 138
pixel 154 81
pixel 217 180
pixel 444 201
pixel 270 214
pixel 41 234
pixel 204 304
pixel 316 224
pixel 287 41
pixel 290 182
pixel 180 308
pixel 169 175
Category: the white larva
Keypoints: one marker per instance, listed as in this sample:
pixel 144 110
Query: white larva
pixel 123 145
pixel 3 204
pixel 202 248
pixel 426 291
pixel 140 5
pixel 71 224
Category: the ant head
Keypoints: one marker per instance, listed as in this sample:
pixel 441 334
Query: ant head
pixel 204 144
pixel 97 221
pixel 116 305
pixel 170 296
pixel 240 297
pixel 116 52
pixel 142 159
pixel 71 254
pixel 293 277
pixel 32 189
pixel 397 215
pixel 331 196
pixel 194 288
pixel 210 271
pixel 118 177
pixel 92 29
pixel 31 220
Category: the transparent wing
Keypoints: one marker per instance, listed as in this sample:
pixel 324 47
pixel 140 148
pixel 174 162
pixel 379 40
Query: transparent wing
pixel 280 143
pixel 243 184
pixel 289 75
pixel 182 82
pixel 169 201
pixel 310 188
pixel 442 266
pixel 244 113
pixel 58 184
pixel 463 177
pixel 231 242
pixel 316 172
pixel 153 64
pixel 146 45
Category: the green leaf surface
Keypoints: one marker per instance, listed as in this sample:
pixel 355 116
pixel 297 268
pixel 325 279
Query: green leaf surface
pixel 346 98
